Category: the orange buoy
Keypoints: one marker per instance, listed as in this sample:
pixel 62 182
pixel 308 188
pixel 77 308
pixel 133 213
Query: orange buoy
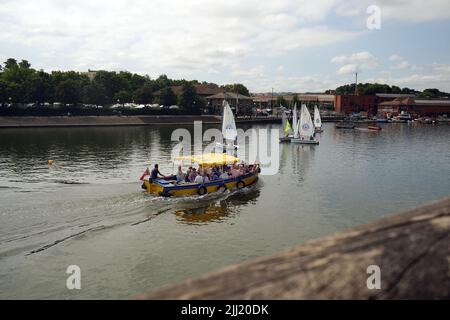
pixel 49 162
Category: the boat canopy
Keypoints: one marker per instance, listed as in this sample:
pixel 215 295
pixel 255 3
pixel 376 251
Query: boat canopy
pixel 211 159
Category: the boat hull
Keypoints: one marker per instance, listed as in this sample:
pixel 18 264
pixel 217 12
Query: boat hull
pixel 345 126
pixel 285 139
pixel 170 188
pixel 300 141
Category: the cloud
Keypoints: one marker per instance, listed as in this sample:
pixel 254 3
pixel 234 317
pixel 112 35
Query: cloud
pixel 355 62
pixel 407 11
pixel 395 57
pixel 437 77
pixel 402 65
pixel 158 36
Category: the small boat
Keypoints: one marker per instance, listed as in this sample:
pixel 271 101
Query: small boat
pixel 305 129
pixel 403 117
pixel 425 120
pixel 345 125
pixel 170 187
pixel 374 128
pixel 286 133
pixel 317 120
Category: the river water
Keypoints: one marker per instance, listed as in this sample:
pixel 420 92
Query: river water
pixel 88 209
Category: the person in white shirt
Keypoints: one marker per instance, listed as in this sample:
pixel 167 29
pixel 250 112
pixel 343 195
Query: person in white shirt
pixel 198 179
pixel 224 175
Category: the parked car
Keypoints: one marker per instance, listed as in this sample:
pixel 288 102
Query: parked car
pixel 174 107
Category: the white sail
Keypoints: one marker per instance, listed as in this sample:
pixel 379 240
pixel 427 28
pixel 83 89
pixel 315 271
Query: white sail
pixel 317 119
pixel 306 125
pixel 295 121
pixel 229 131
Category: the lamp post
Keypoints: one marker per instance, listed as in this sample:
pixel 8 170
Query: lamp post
pixel 271 101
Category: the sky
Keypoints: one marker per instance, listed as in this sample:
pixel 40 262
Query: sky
pixel 287 45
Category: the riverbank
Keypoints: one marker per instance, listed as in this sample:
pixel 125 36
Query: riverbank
pixel 110 121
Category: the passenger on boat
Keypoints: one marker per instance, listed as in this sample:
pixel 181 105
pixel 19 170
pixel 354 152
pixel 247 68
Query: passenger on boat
pixel 224 175
pixel 200 179
pixel 235 172
pixel 193 175
pixel 180 175
pixel 155 172
pixel 215 175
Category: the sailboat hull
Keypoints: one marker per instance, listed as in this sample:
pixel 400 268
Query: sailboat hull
pixel 285 139
pixel 300 141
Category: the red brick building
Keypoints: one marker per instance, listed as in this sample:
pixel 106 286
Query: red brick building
pixel 350 103
pixel 416 107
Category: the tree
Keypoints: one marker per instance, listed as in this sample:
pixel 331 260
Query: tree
pixel 94 93
pixel 237 88
pixel 167 97
pixel 433 93
pixel 281 102
pixel 162 82
pixel 122 96
pixel 38 88
pixel 68 92
pixel 144 94
pixel 187 96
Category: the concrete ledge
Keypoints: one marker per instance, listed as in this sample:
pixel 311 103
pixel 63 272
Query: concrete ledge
pixel 412 250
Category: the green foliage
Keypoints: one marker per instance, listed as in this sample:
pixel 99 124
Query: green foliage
pixel 281 102
pixel 123 96
pixel 187 97
pixel 374 88
pixel 236 87
pixel 144 94
pixel 68 92
pixel 167 97
pixel 433 93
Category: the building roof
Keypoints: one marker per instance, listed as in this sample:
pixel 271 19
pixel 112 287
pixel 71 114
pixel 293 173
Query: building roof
pixel 301 97
pixel 229 95
pixel 427 102
pixel 394 95
pixel 398 102
pixel 416 102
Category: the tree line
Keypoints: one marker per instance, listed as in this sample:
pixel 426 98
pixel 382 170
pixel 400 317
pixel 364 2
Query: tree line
pixel 374 88
pixel 21 84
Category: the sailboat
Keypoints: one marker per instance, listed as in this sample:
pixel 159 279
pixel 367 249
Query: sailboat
pixel 305 129
pixel 317 120
pixel 229 131
pixel 287 133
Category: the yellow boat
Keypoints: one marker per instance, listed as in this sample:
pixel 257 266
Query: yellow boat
pixel 169 186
